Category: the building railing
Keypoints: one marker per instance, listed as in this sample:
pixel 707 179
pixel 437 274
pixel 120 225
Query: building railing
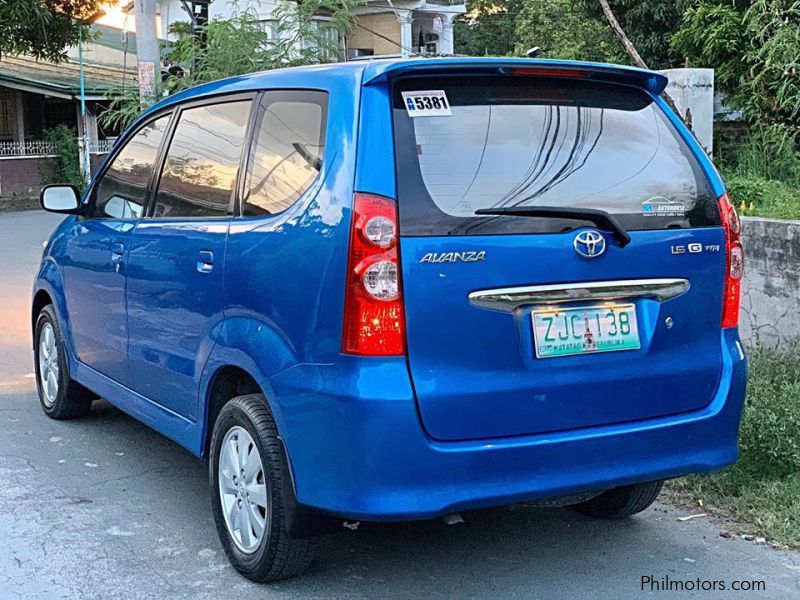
pixel 44 149
pixel 102 146
pixel 33 148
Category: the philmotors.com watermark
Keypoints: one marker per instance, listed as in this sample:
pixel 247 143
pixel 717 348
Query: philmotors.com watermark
pixel 650 583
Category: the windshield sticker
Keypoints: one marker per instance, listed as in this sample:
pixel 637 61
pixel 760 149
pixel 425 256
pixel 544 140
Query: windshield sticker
pixel 427 103
pixel 661 207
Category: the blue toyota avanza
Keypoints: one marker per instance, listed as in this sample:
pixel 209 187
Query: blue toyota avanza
pixel 395 290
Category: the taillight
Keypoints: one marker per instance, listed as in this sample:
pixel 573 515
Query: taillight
pixel 734 262
pixel 374 320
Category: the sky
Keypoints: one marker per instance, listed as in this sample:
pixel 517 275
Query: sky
pixel 116 17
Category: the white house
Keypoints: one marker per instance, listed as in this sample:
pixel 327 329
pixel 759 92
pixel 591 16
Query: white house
pixel 382 27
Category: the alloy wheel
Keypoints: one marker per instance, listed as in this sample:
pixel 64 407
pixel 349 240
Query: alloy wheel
pixel 243 490
pixel 48 364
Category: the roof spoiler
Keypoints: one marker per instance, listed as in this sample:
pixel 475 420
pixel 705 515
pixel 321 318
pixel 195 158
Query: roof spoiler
pixel 651 81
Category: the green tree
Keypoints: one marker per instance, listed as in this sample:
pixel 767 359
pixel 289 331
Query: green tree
pixel 44 28
pixel 755 52
pixel 712 35
pixel 649 25
pixel 488 28
pixel 560 28
pixel 564 29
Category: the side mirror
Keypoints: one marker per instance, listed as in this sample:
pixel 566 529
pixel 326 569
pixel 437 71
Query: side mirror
pixel 61 198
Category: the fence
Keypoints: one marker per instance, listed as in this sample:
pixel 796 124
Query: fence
pixel 29 149
pixel 41 148
pixel 101 146
pixel 26 166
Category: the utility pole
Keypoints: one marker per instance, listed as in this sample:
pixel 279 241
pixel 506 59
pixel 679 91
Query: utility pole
pixel 198 17
pixel 84 142
pixel 147 51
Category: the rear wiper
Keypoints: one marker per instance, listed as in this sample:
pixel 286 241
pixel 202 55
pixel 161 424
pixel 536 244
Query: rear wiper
pixel 600 218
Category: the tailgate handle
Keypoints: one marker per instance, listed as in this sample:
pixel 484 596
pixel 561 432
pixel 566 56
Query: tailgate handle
pixel 512 298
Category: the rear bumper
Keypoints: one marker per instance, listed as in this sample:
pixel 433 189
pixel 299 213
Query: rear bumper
pixel 357 449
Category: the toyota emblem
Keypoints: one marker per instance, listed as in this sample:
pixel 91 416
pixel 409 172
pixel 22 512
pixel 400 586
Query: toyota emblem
pixel 589 243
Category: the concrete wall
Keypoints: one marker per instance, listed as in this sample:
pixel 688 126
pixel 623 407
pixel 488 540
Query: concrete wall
pixel 22 178
pixel 692 90
pixel 771 288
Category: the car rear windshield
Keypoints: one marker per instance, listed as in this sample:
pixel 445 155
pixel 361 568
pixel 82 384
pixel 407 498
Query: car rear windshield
pixel 513 141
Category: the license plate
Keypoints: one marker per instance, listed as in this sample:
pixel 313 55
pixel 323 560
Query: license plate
pixel 584 330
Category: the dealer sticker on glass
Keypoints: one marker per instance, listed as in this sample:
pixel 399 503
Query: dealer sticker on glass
pixel 659 206
pixel 427 103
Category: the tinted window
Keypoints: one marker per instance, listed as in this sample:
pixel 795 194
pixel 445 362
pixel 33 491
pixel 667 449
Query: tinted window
pixel 522 141
pixel 202 161
pixel 287 150
pixel 122 190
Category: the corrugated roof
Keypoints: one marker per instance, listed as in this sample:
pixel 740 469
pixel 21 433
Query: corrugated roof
pixel 62 79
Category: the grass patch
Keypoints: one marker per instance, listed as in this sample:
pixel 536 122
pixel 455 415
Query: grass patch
pixel 754 196
pixel 762 490
pixel 762 171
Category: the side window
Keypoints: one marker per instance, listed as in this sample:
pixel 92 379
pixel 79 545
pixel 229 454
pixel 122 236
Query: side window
pixel 287 151
pixel 202 161
pixel 122 190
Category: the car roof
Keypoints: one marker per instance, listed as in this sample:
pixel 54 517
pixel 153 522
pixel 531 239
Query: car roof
pixel 372 71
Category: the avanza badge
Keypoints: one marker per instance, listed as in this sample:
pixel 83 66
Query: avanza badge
pixel 451 257
pixel 427 103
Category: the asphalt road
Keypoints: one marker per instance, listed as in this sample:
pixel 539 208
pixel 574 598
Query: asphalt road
pixel 105 508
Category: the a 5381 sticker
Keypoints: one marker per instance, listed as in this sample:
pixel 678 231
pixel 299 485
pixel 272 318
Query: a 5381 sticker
pixel 427 103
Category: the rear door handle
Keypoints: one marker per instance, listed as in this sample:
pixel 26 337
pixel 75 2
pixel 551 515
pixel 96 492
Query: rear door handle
pixel 117 252
pixel 205 262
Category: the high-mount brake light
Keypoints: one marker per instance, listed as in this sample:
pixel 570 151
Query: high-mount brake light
pixel 374 318
pixel 547 72
pixel 734 262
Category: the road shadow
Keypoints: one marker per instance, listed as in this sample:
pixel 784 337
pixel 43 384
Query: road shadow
pixel 114 495
pixel 502 547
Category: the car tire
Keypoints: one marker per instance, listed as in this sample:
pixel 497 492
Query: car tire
pixel 246 424
pixel 621 502
pixel 59 396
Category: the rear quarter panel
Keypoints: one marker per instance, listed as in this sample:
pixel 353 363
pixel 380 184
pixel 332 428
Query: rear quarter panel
pixel 284 273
